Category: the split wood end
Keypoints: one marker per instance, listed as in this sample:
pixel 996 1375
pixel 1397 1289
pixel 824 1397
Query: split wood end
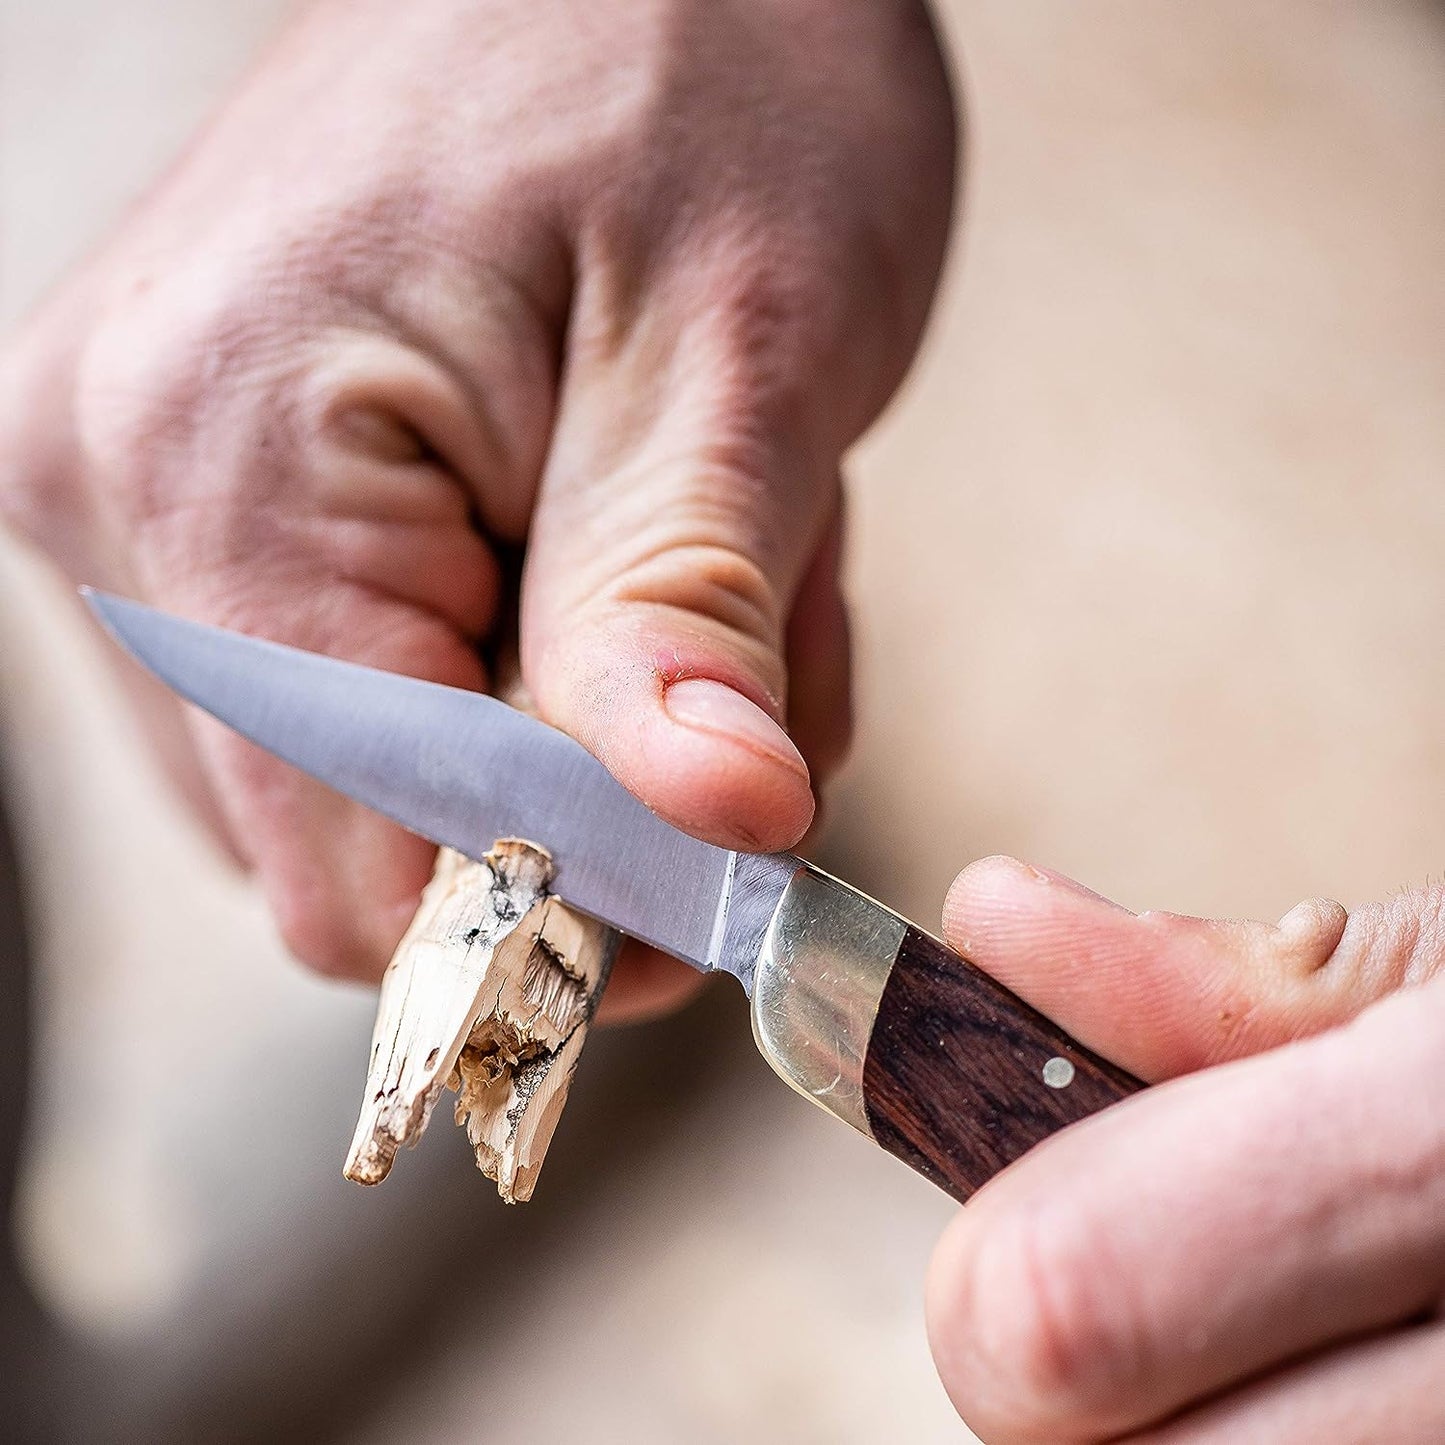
pixel 490 992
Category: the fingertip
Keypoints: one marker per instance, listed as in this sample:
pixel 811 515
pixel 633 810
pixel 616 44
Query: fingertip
pixel 946 1292
pixel 646 984
pixel 941 1281
pixel 320 934
pixel 1000 894
pixel 1092 966
pixel 976 895
pixel 700 751
pixel 735 775
pixel 717 785
pixel 342 913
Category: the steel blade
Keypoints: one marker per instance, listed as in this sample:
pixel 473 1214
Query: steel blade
pixel 464 770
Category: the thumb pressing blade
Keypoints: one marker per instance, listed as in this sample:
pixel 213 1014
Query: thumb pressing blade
pixel 858 1009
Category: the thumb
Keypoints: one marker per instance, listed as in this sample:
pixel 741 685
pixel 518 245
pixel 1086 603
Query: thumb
pixel 664 561
pixel 1163 994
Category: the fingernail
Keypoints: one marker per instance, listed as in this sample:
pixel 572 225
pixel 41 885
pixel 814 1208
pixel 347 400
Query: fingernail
pixel 713 707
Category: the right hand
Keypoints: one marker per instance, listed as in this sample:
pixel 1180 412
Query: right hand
pixel 1255 1250
pixel 615 282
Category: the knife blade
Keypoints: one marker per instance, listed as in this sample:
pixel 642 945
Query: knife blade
pixel 856 1008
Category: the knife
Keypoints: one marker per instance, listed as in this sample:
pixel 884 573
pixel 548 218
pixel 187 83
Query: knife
pixel 858 1009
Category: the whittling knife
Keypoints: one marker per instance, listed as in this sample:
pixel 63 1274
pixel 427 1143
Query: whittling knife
pixel 859 1010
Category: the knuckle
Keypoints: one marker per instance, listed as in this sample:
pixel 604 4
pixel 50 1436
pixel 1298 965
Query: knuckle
pixel 211 346
pixel 217 417
pixel 34 475
pixel 772 312
pixel 710 580
pixel 1046 1332
pixel 789 328
pixel 165 354
pixel 176 396
pixel 1388 945
pixel 210 424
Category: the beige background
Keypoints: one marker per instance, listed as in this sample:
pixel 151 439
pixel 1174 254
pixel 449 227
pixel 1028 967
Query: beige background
pixel 1147 570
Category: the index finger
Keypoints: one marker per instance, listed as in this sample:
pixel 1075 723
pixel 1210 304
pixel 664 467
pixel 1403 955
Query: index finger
pixel 1162 994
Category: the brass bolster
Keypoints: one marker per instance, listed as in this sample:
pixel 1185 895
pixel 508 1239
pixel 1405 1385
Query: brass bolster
pixel 824 962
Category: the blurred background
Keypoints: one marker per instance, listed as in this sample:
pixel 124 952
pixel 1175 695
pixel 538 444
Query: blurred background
pixel 1147 576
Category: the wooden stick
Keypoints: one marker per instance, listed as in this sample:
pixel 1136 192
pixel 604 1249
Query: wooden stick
pixel 490 992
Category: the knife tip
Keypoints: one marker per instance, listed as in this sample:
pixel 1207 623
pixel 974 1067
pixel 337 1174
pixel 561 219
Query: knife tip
pixel 110 611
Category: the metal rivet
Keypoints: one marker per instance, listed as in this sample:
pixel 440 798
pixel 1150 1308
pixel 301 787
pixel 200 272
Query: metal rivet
pixel 1058 1073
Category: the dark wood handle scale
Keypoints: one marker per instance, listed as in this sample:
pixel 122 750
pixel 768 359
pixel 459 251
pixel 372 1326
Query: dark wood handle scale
pixel 961 1077
pixel 895 1033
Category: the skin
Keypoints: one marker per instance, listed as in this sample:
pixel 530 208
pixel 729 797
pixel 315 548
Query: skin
pixel 610 289
pixel 448 284
pixel 1252 1252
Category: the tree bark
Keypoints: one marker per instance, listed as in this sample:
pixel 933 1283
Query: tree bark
pixel 491 993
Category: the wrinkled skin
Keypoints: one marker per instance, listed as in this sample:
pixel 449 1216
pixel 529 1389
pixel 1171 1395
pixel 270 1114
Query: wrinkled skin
pixel 616 285
pixel 1252 1254
pixel 613 284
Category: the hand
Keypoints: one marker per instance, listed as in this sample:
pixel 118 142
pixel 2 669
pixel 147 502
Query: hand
pixel 616 283
pixel 1252 1255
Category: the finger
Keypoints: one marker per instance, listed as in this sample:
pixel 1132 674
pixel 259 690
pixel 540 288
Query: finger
pixel 646 984
pixel 1200 1233
pixel 820 661
pixel 688 492
pixel 820 676
pixel 1381 1390
pixel 342 882
pixel 1386 1389
pixel 1162 994
pixel 39 451
pixel 308 510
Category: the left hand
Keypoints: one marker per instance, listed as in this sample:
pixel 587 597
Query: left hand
pixel 1255 1253
pixel 453 283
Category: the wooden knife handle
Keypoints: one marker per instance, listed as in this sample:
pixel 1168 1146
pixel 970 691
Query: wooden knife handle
pixel 961 1077
pixel 895 1033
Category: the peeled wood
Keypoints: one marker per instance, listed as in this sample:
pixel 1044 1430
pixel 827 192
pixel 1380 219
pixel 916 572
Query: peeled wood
pixel 491 993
